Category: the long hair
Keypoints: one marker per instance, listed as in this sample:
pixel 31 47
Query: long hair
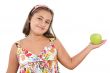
pixel 49 33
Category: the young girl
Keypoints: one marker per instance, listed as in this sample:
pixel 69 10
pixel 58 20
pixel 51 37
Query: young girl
pixel 40 50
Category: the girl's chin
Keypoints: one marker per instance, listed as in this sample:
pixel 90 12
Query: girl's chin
pixel 39 33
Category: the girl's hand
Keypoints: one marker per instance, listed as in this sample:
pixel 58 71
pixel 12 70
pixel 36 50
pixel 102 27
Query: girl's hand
pixel 92 46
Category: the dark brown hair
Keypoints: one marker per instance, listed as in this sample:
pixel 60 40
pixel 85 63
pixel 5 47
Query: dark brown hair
pixel 49 33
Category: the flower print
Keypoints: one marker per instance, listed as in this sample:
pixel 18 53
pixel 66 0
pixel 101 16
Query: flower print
pixel 28 54
pixel 45 70
pixel 37 70
pixel 46 49
pixel 52 50
pixel 46 65
pixel 27 71
pixel 29 63
pixel 30 59
pixel 46 58
pixel 41 65
pixel 35 58
pixel 45 62
pixel 22 71
pixel 19 51
pixel 26 51
pixel 48 55
pixel 53 46
pixel 40 56
pixel 22 57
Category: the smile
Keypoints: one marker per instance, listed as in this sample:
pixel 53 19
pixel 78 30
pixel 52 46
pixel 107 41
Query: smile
pixel 40 27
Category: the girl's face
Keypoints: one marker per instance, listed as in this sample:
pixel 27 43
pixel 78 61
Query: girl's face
pixel 40 22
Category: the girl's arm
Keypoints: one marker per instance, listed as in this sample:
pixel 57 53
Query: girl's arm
pixel 72 62
pixel 13 63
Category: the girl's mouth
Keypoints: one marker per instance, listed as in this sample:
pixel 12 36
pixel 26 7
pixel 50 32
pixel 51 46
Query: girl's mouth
pixel 42 28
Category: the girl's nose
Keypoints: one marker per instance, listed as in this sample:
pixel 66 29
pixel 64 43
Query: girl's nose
pixel 43 24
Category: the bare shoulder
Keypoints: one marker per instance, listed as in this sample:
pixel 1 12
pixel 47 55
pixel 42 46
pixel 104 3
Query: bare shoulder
pixel 13 60
pixel 19 42
pixel 15 46
pixel 57 43
pixel 13 49
pixel 22 40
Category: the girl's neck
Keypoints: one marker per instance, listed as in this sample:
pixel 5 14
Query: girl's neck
pixel 35 37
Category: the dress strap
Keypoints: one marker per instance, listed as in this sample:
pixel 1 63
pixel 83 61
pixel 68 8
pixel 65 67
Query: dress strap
pixel 17 44
pixel 52 39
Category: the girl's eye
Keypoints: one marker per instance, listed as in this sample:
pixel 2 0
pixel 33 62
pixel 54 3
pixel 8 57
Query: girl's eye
pixel 39 18
pixel 47 22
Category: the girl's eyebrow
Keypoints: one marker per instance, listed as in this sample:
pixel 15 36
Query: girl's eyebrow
pixel 43 17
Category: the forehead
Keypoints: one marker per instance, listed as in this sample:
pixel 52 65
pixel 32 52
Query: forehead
pixel 43 13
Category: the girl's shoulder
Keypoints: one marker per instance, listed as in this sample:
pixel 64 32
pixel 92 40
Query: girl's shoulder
pixel 18 42
pixel 15 46
pixel 56 42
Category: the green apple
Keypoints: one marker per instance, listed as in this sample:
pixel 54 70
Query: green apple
pixel 95 38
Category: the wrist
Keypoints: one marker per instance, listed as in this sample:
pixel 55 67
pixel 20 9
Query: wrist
pixel 89 47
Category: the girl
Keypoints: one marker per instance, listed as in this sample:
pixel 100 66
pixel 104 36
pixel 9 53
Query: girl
pixel 40 50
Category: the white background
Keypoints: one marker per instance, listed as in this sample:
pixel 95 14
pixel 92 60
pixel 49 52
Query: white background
pixel 74 22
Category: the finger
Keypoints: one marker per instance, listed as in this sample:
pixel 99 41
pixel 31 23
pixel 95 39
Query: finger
pixel 103 42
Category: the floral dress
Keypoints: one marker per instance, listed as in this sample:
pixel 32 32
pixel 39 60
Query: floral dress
pixel 45 62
